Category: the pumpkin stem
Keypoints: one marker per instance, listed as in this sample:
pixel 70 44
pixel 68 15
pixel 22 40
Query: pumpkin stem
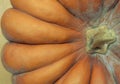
pixel 99 38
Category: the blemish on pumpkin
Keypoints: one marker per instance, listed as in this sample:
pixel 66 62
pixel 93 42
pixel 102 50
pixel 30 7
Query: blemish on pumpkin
pixel 99 39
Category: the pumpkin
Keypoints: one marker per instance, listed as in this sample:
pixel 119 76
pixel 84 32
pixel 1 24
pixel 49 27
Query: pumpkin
pixel 62 41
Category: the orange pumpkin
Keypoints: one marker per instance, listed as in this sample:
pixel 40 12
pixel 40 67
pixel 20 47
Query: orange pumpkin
pixel 62 41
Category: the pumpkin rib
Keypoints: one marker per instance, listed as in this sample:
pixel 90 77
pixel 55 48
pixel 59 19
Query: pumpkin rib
pixel 98 73
pixel 114 63
pixel 35 56
pixel 117 8
pixel 59 68
pixel 52 41
pixel 78 74
pixel 115 17
pixel 82 9
pixel 113 5
pixel 62 3
pixel 109 4
pixel 78 22
pixel 38 9
pixel 116 50
pixel 81 55
pixel 34 31
pixel 117 73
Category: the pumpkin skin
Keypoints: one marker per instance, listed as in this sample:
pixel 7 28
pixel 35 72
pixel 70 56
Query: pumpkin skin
pixel 57 51
pixel 82 8
pixel 48 41
pixel 25 36
pixel 38 9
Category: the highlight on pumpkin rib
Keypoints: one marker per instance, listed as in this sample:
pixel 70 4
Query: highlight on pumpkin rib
pixel 98 73
pixel 34 31
pixel 116 17
pixel 113 17
pixel 29 57
pixel 78 74
pixel 47 12
pixel 82 8
pixel 109 18
pixel 116 67
pixel 113 61
pixel 117 8
pixel 117 72
pixel 48 74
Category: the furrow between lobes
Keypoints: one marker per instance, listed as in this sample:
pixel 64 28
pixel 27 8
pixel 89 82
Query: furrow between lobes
pixel 23 28
pixel 48 74
pixel 18 58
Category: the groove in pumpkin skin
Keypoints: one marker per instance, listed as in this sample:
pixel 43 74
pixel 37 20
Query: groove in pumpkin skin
pixel 99 75
pixel 48 74
pixel 81 55
pixel 38 9
pixel 60 81
pixel 82 8
pixel 39 32
pixel 117 72
pixel 116 10
pixel 35 56
pixel 113 4
pixel 116 50
pixel 115 64
pixel 109 4
pixel 79 73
